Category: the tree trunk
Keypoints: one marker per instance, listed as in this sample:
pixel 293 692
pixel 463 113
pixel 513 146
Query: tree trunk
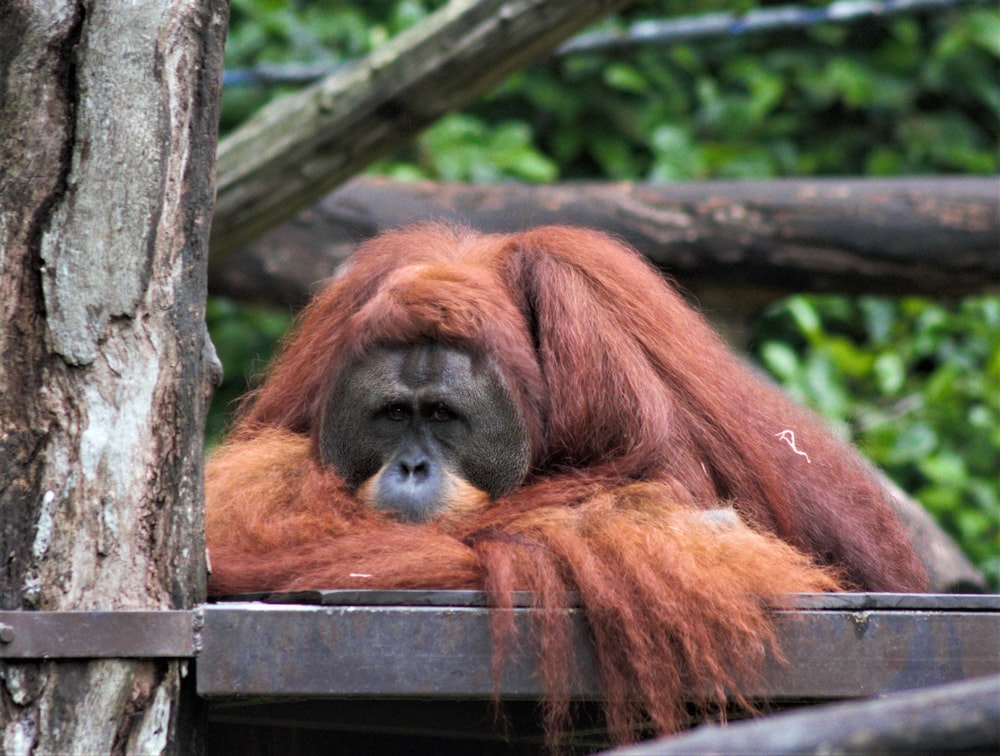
pixel 108 113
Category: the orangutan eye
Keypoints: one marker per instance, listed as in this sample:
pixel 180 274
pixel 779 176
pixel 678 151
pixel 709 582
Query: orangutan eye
pixel 397 412
pixel 440 413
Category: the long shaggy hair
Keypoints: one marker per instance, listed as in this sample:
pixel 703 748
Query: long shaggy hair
pixel 642 424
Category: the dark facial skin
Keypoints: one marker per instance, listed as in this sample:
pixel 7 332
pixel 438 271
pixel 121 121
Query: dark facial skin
pixel 418 416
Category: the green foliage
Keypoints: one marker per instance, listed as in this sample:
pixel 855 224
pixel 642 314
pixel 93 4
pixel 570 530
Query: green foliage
pixel 244 338
pixel 897 96
pixel 327 32
pixel 914 383
pixel 463 147
pixel 912 94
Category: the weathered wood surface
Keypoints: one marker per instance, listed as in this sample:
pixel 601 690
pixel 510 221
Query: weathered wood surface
pixel 437 644
pixel 736 244
pixel 398 666
pixel 295 150
pixel 411 664
pixel 961 717
pixel 108 113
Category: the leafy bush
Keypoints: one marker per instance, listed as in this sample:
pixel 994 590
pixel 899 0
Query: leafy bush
pixel 914 94
pixel 244 338
pixel 916 385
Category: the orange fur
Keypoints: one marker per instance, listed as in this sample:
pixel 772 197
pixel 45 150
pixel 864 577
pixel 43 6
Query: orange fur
pixel 639 419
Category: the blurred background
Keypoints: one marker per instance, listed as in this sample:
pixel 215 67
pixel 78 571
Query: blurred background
pixel 914 382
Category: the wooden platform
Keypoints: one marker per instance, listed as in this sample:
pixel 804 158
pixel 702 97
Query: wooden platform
pixel 436 644
pixel 411 664
pixel 400 667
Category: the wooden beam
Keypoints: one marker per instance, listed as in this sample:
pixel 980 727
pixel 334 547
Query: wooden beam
pixel 962 717
pixel 437 644
pixel 738 243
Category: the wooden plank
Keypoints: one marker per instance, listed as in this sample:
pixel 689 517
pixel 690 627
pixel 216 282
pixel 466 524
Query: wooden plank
pixel 423 597
pixel 440 647
pixel 961 717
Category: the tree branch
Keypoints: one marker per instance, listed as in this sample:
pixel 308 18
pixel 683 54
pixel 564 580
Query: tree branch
pixel 957 717
pixel 738 243
pixel 295 150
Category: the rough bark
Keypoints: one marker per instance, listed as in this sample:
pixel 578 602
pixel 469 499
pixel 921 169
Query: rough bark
pixel 298 148
pixel 108 113
pixel 735 245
